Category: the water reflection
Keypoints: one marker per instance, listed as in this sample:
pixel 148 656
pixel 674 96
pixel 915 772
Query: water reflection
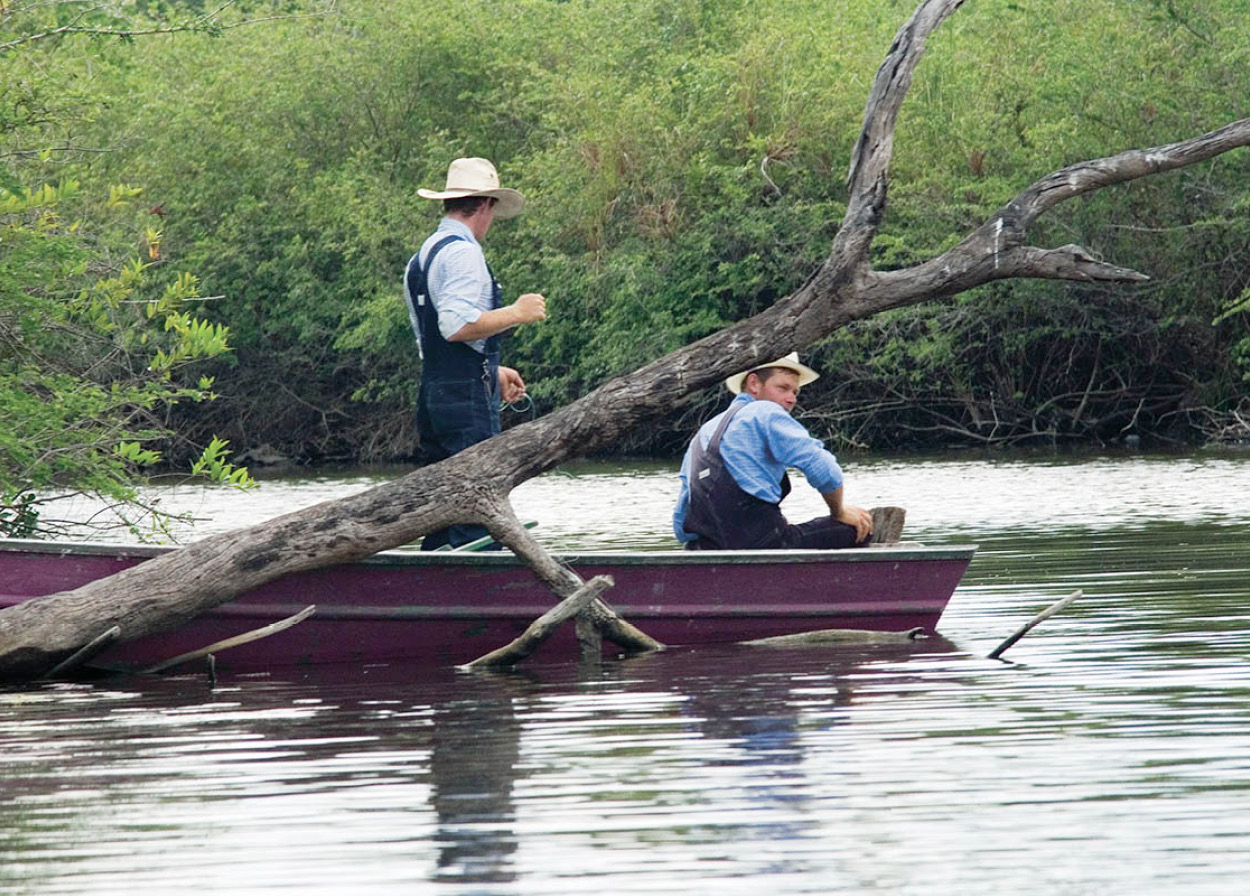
pixel 474 757
pixel 434 778
pixel 1109 754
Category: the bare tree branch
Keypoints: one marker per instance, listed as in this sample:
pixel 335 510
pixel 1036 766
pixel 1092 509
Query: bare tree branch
pixel 996 250
pixel 870 159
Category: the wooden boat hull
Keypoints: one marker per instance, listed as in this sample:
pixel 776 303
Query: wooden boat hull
pixel 450 608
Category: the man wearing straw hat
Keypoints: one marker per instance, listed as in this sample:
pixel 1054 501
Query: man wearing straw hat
pixel 733 476
pixel 457 314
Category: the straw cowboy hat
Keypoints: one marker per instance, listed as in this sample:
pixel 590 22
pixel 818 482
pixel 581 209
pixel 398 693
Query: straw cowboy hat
pixel 789 362
pixel 477 177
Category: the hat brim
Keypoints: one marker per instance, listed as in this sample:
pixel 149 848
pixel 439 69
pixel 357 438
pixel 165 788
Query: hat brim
pixel 508 202
pixel 806 374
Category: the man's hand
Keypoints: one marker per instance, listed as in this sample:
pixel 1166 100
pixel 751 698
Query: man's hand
pixel 858 517
pixel 511 386
pixel 530 308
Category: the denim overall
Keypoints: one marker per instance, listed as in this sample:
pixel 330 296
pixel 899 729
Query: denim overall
pixel 458 400
pixel 721 513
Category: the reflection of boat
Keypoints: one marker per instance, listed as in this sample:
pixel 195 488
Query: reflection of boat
pixel 453 607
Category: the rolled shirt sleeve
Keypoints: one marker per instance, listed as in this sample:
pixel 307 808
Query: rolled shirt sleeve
pixel 767 442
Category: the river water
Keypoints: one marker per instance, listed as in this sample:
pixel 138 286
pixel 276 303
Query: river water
pixel 1109 752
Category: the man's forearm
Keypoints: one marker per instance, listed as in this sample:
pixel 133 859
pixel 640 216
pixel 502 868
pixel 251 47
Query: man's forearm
pixel 834 500
pixel 858 517
pixel 529 308
pixel 490 323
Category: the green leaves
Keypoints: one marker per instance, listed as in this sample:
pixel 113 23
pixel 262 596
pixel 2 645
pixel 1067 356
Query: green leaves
pixel 88 358
pixel 1239 305
pixel 133 452
pixel 213 466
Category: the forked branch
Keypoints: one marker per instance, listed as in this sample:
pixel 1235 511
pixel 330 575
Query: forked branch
pixel 997 250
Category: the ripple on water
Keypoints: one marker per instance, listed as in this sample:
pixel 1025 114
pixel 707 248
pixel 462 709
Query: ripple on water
pixel 1110 752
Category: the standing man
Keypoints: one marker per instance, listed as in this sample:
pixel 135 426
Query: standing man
pixel 733 476
pixel 457 314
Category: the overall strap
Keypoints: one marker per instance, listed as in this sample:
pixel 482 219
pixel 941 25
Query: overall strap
pixel 699 464
pixel 713 445
pixel 416 287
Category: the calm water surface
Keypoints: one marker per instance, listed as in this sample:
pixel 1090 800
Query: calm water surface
pixel 1110 755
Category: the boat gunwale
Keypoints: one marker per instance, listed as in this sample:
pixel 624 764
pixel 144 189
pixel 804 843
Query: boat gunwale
pixel 410 557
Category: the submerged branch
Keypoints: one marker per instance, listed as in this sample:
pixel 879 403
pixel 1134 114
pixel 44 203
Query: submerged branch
pixel 543 627
pixel 1056 607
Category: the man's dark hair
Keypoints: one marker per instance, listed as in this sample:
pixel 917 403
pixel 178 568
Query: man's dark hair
pixel 764 373
pixel 466 205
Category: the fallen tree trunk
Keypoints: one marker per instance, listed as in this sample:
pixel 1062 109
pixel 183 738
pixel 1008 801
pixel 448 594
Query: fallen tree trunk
pixel 474 486
pixel 826 636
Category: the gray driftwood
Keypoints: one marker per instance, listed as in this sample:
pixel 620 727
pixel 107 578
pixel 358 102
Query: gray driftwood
pixel 226 643
pixel 474 486
pixel 84 654
pixel 1056 607
pixel 887 524
pixel 544 627
pixel 838 636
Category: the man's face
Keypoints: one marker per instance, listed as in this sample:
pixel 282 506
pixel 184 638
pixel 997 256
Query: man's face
pixel 782 387
pixel 481 220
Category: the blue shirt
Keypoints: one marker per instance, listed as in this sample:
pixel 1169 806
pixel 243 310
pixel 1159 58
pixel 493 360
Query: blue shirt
pixel 459 282
pixel 761 441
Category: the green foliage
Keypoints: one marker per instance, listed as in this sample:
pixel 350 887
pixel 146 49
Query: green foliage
pixel 214 466
pixel 684 162
pixel 84 373
pixel 1240 351
pixel 97 330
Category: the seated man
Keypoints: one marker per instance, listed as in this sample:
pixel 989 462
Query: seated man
pixel 733 476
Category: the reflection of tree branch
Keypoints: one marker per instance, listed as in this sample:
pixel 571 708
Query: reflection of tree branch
pixel 112 515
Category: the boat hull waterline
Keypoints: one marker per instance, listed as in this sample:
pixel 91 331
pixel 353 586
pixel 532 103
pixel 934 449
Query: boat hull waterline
pixel 450 607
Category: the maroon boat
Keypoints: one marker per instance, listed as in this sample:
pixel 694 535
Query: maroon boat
pixel 452 607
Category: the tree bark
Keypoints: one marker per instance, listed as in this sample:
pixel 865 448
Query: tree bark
pixel 473 486
pixel 543 627
pixel 887 524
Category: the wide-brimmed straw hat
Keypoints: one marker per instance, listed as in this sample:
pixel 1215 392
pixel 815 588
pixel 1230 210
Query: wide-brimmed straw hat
pixel 477 177
pixel 789 362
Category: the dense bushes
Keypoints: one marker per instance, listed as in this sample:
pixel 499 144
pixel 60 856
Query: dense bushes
pixel 684 161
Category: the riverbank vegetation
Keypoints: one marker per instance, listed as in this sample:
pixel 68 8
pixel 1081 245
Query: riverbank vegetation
pixel 684 162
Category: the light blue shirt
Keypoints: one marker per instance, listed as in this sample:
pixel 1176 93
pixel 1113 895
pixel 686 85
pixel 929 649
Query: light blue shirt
pixel 459 282
pixel 759 443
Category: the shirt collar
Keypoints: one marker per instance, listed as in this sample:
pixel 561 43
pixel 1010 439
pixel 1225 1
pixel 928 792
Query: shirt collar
pixel 451 225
